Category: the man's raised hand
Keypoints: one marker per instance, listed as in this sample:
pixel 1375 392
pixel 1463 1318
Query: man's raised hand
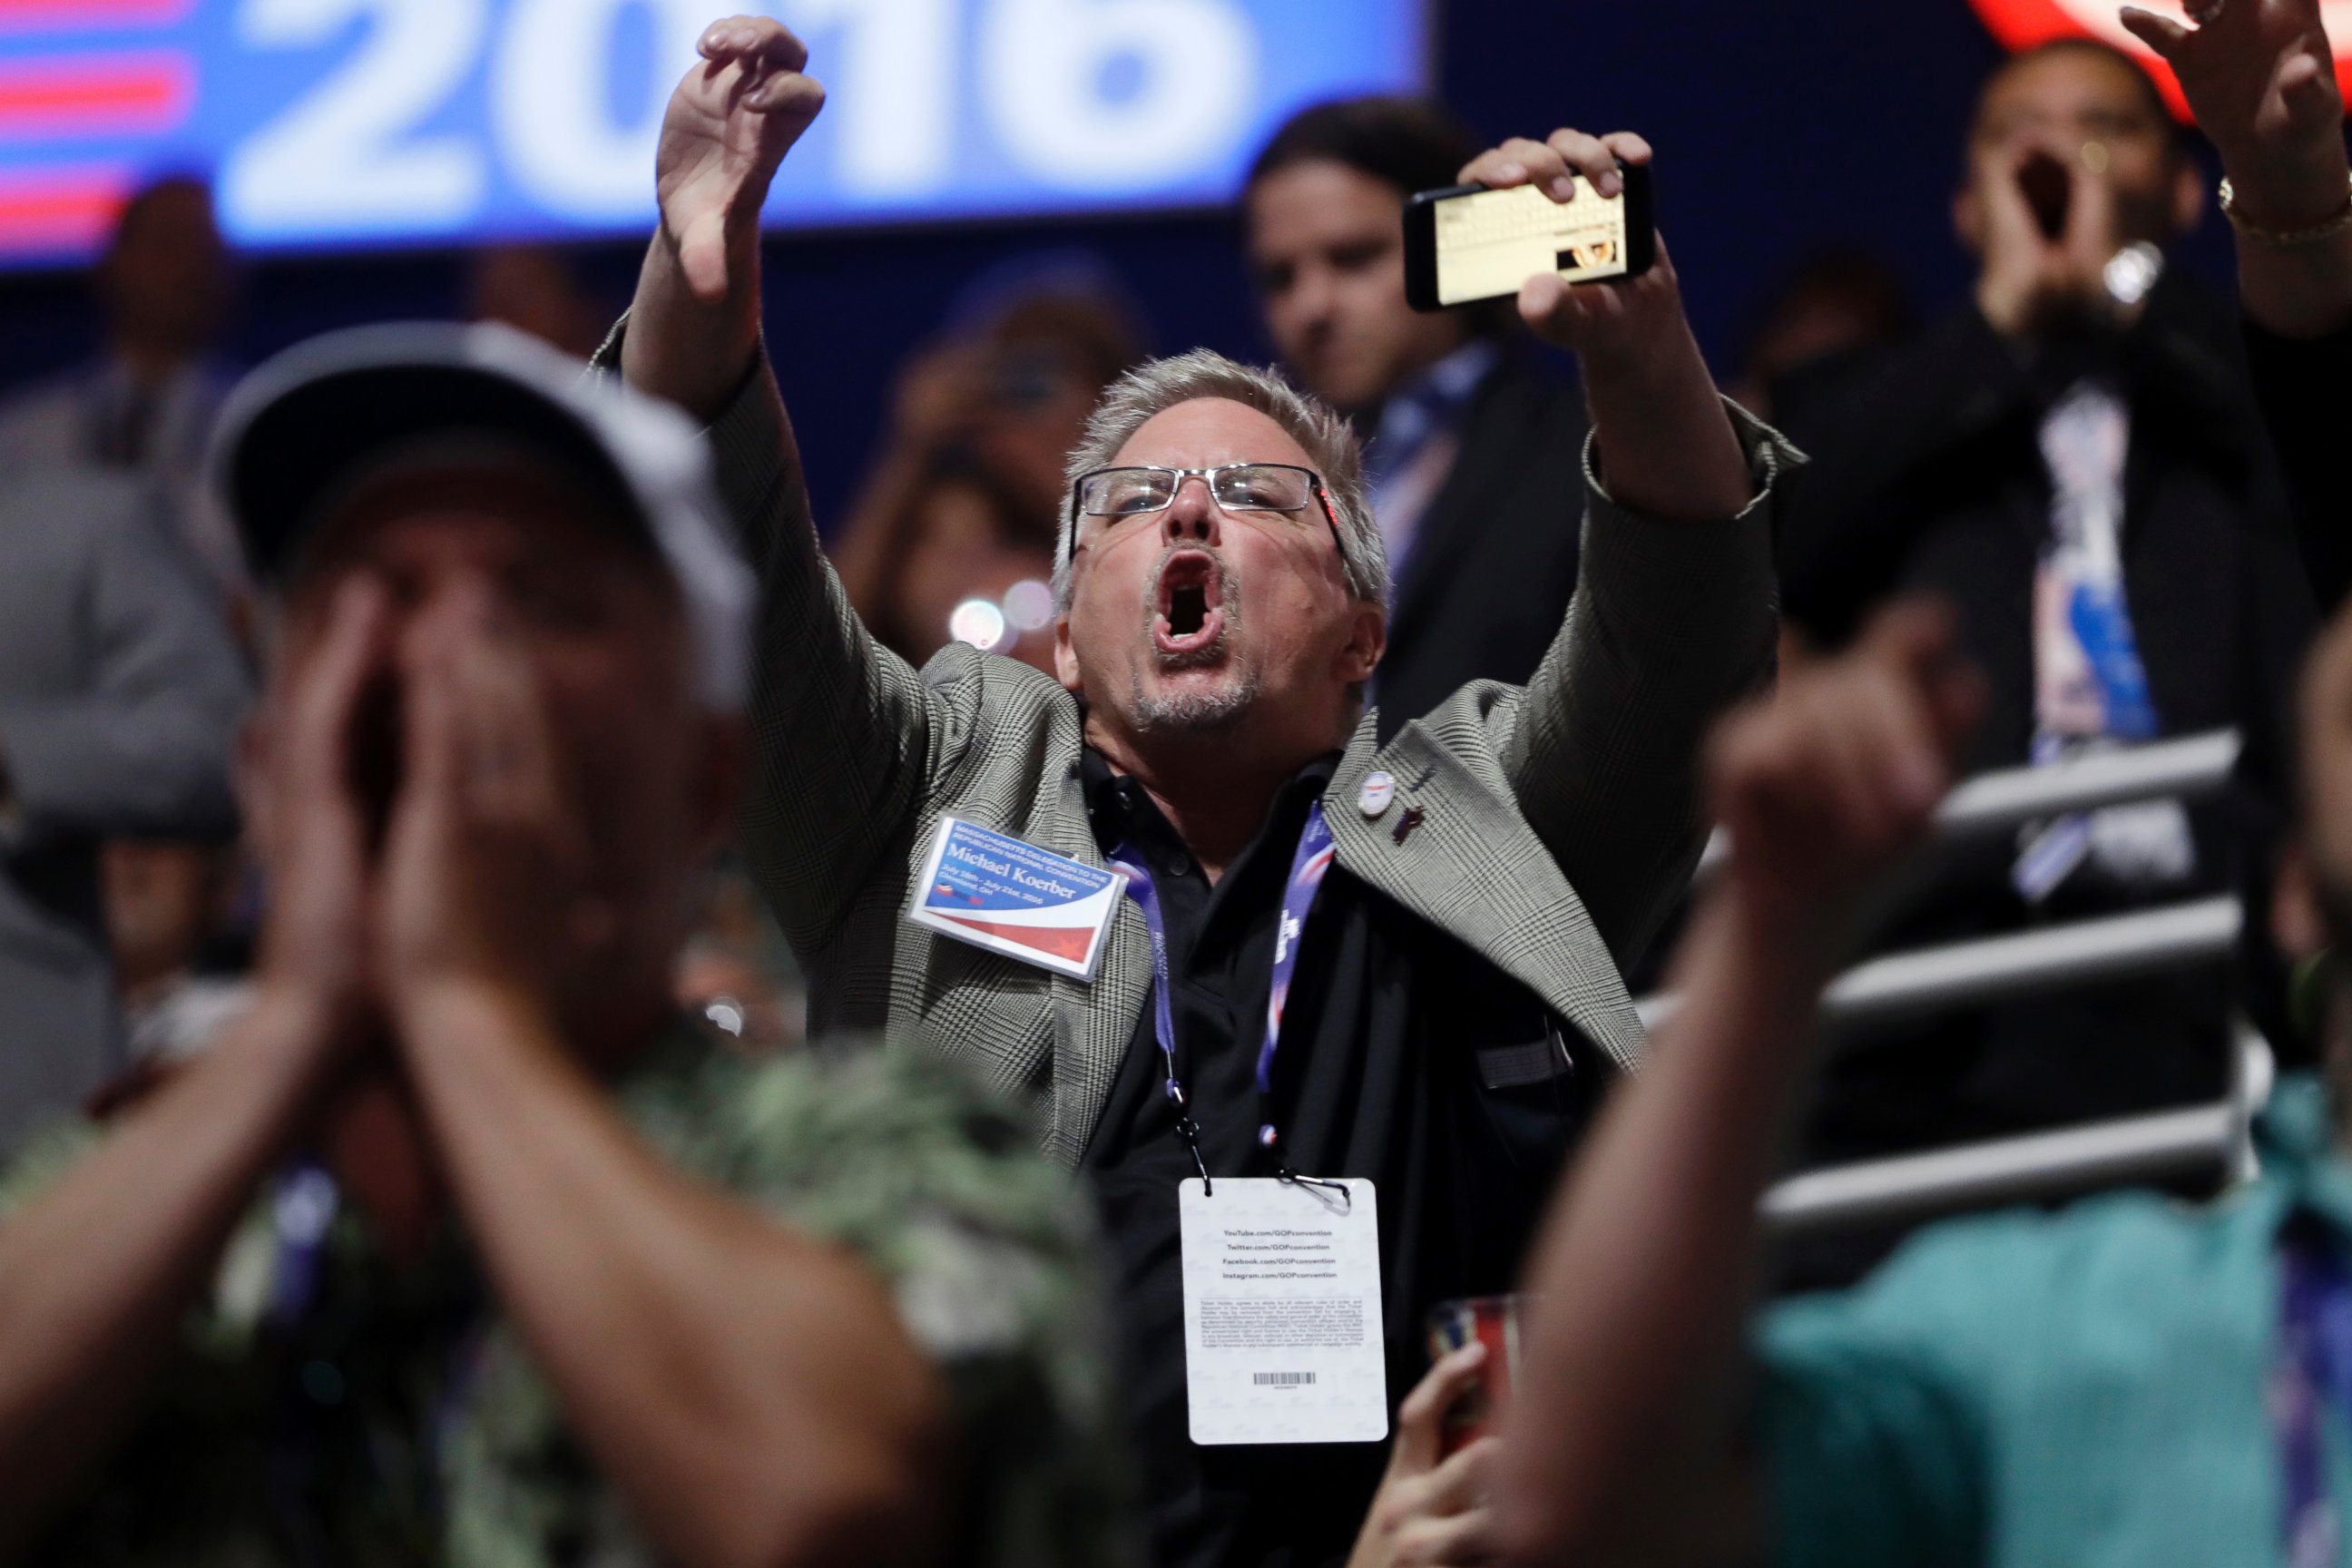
pixel 694 326
pixel 734 116
pixel 2262 79
pixel 1581 318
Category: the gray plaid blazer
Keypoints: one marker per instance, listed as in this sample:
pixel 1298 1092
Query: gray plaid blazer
pixel 1559 821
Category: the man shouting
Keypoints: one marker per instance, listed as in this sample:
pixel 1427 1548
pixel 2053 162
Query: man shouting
pixel 1320 1016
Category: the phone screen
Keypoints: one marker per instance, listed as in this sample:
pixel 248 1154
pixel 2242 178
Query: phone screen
pixel 1490 242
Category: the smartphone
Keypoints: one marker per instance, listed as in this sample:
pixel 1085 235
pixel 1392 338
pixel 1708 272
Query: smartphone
pixel 1467 243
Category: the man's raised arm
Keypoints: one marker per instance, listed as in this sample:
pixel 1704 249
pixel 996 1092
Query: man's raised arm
pixel 1674 616
pixel 839 728
pixel 2262 77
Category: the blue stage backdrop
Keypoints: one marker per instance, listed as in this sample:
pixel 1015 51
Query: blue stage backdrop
pixel 344 122
pixel 1780 128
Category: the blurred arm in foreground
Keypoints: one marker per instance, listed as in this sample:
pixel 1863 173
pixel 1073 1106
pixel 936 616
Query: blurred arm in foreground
pixel 2129 1380
pixel 1618 1438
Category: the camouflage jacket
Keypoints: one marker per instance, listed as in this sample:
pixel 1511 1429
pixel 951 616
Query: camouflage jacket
pixel 395 1419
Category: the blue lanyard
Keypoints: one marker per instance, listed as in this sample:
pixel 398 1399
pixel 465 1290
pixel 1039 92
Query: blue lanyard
pixel 305 1210
pixel 1309 864
pixel 2314 1366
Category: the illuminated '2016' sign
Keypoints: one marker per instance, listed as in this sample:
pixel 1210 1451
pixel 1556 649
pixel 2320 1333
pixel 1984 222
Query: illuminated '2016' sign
pixel 2021 23
pixel 339 122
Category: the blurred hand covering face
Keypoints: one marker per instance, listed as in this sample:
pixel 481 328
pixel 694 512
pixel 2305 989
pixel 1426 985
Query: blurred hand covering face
pixel 532 762
pixel 2071 158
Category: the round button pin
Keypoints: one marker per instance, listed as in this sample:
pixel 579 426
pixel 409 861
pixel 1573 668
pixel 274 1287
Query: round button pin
pixel 1373 798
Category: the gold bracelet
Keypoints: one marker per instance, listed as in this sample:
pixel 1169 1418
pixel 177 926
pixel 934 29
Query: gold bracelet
pixel 2286 238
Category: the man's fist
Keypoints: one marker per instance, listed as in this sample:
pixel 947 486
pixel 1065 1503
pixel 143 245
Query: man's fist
pixel 728 125
pixel 1824 785
pixel 1591 317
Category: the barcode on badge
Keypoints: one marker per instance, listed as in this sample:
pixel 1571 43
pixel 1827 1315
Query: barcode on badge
pixel 1282 1379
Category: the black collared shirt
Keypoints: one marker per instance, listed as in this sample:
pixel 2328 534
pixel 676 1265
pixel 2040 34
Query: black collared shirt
pixel 1405 1057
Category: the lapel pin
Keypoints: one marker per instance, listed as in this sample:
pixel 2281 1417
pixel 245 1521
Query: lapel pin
pixel 1378 790
pixel 1412 818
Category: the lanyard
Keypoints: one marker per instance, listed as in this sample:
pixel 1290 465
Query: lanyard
pixel 2314 1366
pixel 1309 864
pixel 307 1200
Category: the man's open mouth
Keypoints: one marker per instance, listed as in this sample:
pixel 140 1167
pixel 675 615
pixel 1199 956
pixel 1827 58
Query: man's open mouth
pixel 1191 614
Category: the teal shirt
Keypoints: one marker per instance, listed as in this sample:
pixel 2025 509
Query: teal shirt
pixel 2081 1389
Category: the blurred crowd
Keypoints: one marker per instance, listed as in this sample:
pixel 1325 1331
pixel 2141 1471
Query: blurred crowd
pixel 499 1061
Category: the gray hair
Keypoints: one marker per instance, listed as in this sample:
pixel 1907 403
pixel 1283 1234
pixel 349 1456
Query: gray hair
pixel 1159 385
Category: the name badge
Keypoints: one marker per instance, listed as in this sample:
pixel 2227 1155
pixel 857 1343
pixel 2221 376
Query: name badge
pixel 1014 899
pixel 1282 1313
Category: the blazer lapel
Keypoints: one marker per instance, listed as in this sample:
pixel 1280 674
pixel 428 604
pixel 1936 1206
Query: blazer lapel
pixel 1472 867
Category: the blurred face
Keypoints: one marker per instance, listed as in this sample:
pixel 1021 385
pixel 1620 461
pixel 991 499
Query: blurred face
pixel 2060 103
pixel 528 287
pixel 1194 622
pixel 1327 246
pixel 166 278
pixel 1036 408
pixel 646 771
pixel 957 552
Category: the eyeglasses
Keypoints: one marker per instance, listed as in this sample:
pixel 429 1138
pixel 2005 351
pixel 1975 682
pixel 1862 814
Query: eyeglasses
pixel 1240 489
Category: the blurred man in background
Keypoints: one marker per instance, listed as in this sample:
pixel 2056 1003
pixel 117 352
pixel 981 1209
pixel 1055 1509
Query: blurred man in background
pixel 2074 460
pixel 521 1265
pixel 536 288
pixel 1473 450
pixel 119 698
pixel 146 406
pixel 960 506
pixel 1832 308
